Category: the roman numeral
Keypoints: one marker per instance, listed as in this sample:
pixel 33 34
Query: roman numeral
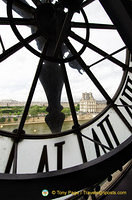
pixel 97 148
pixel 43 160
pixel 44 163
pixel 106 128
pixel 59 154
pixel 127 107
pixel 126 101
pixel 127 92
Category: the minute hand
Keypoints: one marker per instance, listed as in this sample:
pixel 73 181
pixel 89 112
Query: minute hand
pixel 63 32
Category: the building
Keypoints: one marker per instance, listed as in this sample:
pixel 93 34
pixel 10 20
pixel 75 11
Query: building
pixel 89 105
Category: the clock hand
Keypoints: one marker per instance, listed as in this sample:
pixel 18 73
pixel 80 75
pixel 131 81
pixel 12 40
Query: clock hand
pixel 73 6
pixel 63 32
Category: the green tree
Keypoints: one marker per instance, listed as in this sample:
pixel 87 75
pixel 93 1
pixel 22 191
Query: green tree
pixel 9 119
pixel 15 119
pixel 77 107
pixel 42 109
pixel 18 113
pixel 34 110
pixel 2 119
pixel 66 111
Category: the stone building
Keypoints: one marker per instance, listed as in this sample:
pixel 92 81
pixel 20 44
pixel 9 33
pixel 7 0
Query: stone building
pixel 89 105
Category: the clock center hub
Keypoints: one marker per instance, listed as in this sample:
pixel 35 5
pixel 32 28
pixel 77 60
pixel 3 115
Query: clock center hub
pixel 49 20
pixel 74 5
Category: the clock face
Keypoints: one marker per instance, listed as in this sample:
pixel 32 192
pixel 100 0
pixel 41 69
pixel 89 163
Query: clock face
pixel 64 49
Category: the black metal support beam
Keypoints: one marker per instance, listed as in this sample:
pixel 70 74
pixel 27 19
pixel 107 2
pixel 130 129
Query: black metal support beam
pixel 121 19
pixel 17 21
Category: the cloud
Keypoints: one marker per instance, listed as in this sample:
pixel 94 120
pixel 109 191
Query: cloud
pixel 17 72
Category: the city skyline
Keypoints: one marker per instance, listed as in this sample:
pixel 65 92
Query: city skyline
pixel 16 102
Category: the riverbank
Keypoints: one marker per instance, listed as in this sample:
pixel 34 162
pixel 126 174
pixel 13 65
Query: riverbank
pixel 41 119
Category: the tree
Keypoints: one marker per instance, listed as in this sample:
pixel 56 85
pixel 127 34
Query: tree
pixel 15 119
pixel 2 119
pixel 34 110
pixel 77 107
pixel 66 111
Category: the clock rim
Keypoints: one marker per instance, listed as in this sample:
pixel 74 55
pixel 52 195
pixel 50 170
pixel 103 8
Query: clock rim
pixel 114 156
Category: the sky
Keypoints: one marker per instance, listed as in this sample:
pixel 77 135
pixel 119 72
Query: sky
pixel 17 72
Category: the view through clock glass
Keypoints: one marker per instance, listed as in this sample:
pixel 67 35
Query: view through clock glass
pixel 17 72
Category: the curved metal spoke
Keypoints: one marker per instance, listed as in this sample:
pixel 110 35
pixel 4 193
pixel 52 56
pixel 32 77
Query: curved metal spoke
pixel 89 73
pixel 92 25
pixel 17 46
pixel 17 21
pixel 97 50
pixel 86 2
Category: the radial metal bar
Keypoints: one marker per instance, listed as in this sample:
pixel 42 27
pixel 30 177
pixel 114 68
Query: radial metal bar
pixel 102 26
pixel 119 50
pixel 73 111
pixel 10 160
pixel 17 47
pixel 32 90
pixel 92 25
pixel 87 2
pixel 27 106
pixel 96 142
pixel 17 21
pixel 15 157
pixel 97 50
pixel 69 94
pixel 89 73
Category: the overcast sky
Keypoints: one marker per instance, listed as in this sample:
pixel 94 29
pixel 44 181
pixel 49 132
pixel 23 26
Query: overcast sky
pixel 16 72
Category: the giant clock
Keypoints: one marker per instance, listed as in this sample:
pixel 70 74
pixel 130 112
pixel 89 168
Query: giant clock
pixel 83 156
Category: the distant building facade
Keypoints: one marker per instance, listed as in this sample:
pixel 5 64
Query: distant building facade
pixel 10 102
pixel 89 105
